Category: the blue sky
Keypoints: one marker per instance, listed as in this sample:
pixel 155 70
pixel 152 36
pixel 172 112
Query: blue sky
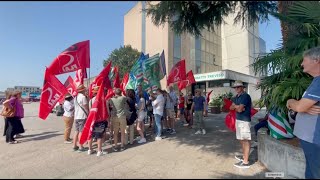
pixel 32 34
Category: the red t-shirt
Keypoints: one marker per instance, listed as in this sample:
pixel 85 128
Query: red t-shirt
pixel 181 102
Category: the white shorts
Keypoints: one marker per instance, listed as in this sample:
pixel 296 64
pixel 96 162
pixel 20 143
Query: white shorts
pixel 243 130
pixel 141 115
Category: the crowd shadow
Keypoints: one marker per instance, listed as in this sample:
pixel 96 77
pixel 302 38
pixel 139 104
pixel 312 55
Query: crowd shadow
pixel 39 136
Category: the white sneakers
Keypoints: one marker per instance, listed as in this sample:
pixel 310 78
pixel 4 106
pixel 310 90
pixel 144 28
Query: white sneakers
pixel 201 132
pixel 142 140
pixel 91 152
pixel 158 138
pixel 101 153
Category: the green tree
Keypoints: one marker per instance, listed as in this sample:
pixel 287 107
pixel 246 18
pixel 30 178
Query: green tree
pixel 124 58
pixel 285 78
pixel 193 16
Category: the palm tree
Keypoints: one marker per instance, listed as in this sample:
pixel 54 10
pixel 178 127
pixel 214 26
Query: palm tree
pixel 286 79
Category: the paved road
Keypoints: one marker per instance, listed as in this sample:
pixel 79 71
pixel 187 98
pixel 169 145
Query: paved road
pixel 42 154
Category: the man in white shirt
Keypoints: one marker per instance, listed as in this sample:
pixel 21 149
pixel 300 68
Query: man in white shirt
pixel 158 106
pixel 68 117
pixel 172 100
pixel 81 109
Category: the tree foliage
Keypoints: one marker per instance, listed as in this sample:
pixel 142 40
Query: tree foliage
pixel 124 58
pixel 194 16
pixel 286 79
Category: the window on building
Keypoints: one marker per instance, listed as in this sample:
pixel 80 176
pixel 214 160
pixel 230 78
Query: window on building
pixel 176 48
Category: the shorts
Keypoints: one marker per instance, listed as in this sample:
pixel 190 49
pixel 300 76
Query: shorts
pixel 119 123
pixel 79 124
pixel 170 113
pixel 181 110
pixel 99 128
pixel 243 130
pixel 141 115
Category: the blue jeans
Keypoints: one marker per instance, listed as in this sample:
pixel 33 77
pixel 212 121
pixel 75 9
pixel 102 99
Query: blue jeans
pixel 312 155
pixel 260 125
pixel 157 118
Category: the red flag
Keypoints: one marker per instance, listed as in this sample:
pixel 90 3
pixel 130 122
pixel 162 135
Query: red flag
pixel 70 86
pixel 116 82
pixel 103 75
pixel 189 81
pixel 177 73
pixel 230 119
pixel 98 112
pixel 208 96
pixel 73 58
pixel 124 83
pixel 110 94
pixel 80 75
pixel 53 91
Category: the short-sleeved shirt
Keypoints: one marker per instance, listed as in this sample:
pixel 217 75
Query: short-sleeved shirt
pixel 307 126
pixel 68 108
pixel 244 99
pixel 198 103
pixel 80 113
pixel 118 103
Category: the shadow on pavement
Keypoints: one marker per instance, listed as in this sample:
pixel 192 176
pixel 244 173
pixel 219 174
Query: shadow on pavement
pixel 218 138
pixel 40 136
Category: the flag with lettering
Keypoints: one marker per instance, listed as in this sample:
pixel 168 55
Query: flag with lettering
pixel 103 76
pixel 189 81
pixel 98 112
pixel 52 92
pixel 71 86
pixel 177 73
pixel 80 75
pixel 73 58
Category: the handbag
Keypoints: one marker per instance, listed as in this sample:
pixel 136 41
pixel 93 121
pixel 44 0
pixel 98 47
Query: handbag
pixel 9 112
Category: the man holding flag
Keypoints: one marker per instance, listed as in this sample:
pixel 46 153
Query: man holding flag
pixel 81 109
pixel 242 105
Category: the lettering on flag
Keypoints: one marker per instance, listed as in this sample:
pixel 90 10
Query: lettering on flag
pixel 53 92
pixel 73 58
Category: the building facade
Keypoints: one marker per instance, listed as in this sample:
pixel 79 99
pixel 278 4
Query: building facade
pixel 217 58
pixel 26 91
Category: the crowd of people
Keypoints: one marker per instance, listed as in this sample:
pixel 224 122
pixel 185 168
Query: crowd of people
pixel 128 115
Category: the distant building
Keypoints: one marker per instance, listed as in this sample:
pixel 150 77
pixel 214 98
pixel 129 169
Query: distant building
pixel 26 91
pixel 217 59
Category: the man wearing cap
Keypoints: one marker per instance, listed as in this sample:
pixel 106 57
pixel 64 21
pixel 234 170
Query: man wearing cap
pixel 242 105
pixel 68 117
pixel 81 109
